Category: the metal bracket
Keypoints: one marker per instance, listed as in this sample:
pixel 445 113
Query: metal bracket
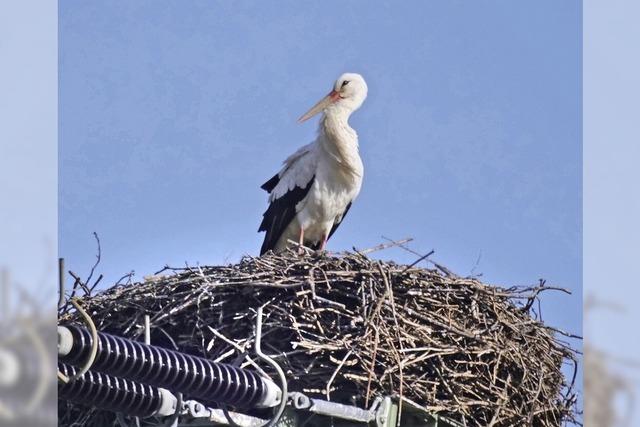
pixel 387 413
pixel 197 414
pixel 382 411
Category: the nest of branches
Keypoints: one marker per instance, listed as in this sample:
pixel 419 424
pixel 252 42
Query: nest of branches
pixel 349 328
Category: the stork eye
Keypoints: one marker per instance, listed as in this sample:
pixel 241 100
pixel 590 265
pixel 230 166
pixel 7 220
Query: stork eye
pixel 344 83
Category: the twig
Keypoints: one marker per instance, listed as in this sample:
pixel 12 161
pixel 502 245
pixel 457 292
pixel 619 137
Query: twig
pixel 98 256
pixel 383 246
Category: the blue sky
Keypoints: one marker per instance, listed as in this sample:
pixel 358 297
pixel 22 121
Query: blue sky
pixel 611 197
pixel 172 116
pixel 28 145
pixel 28 170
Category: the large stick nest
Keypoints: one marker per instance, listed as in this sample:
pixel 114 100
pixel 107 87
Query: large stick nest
pixel 350 328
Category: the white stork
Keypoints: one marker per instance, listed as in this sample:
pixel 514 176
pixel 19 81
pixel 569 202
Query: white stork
pixel 313 191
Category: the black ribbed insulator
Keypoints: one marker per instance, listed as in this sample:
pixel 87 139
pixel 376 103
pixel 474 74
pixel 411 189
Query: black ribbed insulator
pixel 108 392
pixel 194 376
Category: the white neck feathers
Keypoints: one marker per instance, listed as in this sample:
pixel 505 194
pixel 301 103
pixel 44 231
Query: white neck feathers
pixel 339 140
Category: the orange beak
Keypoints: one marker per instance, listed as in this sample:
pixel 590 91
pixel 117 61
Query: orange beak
pixel 320 106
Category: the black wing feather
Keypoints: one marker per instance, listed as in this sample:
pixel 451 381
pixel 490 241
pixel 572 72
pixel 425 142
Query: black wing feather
pixel 271 184
pixel 280 213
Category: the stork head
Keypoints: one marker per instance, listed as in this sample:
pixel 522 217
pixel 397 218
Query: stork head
pixel 347 95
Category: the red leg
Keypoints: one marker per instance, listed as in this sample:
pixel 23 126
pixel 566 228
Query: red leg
pixel 301 242
pixel 324 243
